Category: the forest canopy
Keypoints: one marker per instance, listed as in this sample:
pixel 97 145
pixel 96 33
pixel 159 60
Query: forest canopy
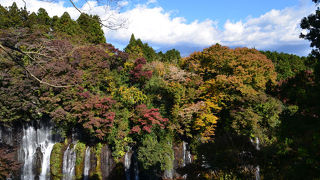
pixel 220 100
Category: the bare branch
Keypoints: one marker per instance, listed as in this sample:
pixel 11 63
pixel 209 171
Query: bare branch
pixel 28 71
pixel 110 24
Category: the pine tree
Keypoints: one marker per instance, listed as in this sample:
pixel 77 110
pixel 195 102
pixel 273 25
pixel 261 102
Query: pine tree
pixel 66 25
pixel 43 17
pixel 91 26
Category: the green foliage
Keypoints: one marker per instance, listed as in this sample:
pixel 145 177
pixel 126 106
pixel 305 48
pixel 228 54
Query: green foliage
pixel 43 17
pixel 172 56
pixel 136 49
pixel 258 117
pixel 286 65
pixel 218 99
pixel 67 25
pixel 154 153
pixel 56 160
pixel 91 25
pixel 119 138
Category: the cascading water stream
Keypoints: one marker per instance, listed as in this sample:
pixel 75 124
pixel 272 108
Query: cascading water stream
pixel 257 173
pixel 136 167
pixel 186 156
pixel 69 162
pixel 86 164
pixel 127 163
pixel 32 140
pixel 45 166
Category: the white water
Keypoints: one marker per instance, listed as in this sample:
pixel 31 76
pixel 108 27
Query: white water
pixel 257 173
pixel 69 162
pixel 136 168
pixel 186 155
pixel 31 140
pixel 45 166
pixel 86 164
pixel 127 163
pixel 168 174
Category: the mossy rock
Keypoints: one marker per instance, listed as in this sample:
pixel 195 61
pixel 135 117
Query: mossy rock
pixel 80 154
pixel 96 174
pixel 56 160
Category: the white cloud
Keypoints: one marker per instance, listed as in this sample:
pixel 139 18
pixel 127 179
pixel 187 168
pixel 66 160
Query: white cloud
pixel 276 27
pixel 51 7
pixel 159 27
pixel 151 2
pixel 123 3
pixel 162 28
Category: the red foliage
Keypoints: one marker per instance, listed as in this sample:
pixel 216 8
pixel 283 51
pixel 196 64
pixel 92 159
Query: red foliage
pixel 8 162
pixel 95 113
pixel 146 119
pixel 138 74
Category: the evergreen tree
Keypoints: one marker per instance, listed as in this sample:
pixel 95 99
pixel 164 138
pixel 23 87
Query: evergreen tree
pixel 32 20
pixel 134 49
pixel 14 16
pixel 172 56
pixel 5 20
pixel 43 17
pixel 91 26
pixel 68 26
pixel 137 49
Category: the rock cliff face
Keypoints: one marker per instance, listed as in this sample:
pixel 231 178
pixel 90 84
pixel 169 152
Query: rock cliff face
pixel 37 146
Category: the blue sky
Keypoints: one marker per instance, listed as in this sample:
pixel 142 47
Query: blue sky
pixel 222 10
pixel 192 25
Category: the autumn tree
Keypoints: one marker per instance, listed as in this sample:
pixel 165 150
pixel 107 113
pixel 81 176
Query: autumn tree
pixel 8 163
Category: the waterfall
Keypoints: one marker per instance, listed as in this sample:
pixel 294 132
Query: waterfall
pixel 168 174
pixel 86 164
pixel 135 167
pixel 127 163
pixel 257 173
pixel 33 141
pixel 69 162
pixel 186 154
pixel 45 166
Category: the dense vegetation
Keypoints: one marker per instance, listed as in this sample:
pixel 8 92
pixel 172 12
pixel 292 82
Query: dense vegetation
pixel 221 100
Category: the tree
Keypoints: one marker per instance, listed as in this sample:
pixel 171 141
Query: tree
pixel 8 162
pixel 287 65
pixel 43 17
pixel 4 17
pixel 92 26
pixel 137 49
pixel 68 26
pixel 311 25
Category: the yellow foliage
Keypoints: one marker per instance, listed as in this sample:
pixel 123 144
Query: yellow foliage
pixel 110 84
pixel 207 120
pixel 131 95
pixel 128 65
pixel 157 68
